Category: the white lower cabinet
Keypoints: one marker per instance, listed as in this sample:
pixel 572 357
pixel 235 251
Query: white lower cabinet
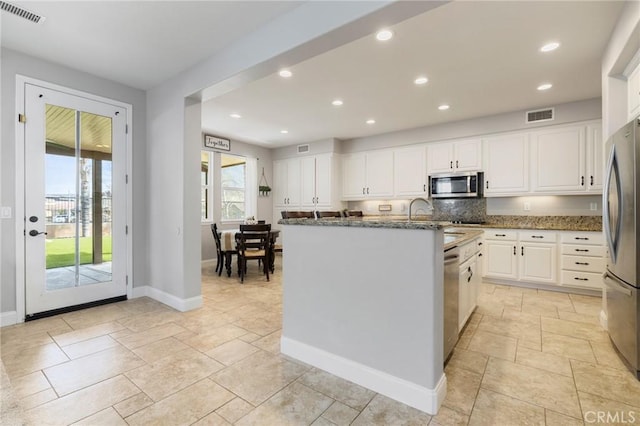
pixel 582 260
pixel 557 258
pixel 500 254
pixel 538 257
pixel 469 280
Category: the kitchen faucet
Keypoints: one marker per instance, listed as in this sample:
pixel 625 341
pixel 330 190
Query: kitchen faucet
pixel 427 202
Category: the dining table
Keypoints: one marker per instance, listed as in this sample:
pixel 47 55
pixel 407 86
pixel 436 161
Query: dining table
pixel 228 246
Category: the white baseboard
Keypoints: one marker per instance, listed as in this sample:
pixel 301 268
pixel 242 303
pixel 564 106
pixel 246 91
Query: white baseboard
pixel 604 320
pixel 412 394
pixel 8 318
pixel 176 303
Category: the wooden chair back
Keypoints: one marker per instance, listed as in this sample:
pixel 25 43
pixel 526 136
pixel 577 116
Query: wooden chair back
pixel 354 213
pixel 297 215
pixel 324 214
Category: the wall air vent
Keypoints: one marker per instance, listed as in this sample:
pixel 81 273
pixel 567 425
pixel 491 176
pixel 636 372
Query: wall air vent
pixel 303 148
pixel 546 114
pixel 21 12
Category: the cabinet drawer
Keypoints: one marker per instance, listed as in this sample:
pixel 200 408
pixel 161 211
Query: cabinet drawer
pixel 583 263
pixel 499 234
pixel 468 250
pixel 537 236
pixel 595 238
pixel 583 250
pixel 589 280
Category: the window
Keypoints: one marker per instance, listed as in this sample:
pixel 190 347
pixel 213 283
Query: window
pixel 206 186
pixel 238 187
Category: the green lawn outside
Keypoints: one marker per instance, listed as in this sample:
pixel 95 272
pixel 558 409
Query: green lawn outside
pixel 60 251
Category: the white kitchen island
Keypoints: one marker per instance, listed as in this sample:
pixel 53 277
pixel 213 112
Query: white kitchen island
pixel 363 300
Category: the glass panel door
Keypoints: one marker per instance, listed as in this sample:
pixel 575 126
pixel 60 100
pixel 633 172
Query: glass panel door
pixel 74 200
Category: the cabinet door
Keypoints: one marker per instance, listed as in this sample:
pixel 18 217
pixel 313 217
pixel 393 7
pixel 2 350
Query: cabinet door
pixel 464 280
pixel 380 174
pixel 354 176
pixel 294 186
pixel 506 164
pixel 280 183
pixel 467 155
pixel 558 160
pixel 500 259
pixel 410 171
pixel 324 174
pixel 595 156
pixel 538 262
pixel 440 158
pixel 308 181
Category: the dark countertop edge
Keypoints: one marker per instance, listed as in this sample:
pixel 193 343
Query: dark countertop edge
pixel 369 223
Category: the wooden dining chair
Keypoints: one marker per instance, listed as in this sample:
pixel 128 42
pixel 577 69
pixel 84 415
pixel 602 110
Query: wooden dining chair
pixel 324 214
pixel 354 213
pixel 219 252
pixel 254 243
pixel 298 215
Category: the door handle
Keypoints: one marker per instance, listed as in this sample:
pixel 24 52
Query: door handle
pixel 35 233
pixel 456 164
pixel 522 250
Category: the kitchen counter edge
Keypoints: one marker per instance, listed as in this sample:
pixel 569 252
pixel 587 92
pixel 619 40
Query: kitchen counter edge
pixel 368 223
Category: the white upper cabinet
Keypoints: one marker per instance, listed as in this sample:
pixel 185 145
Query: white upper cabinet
pixel 457 156
pixel 595 158
pixel 558 159
pixel 325 183
pixel 506 164
pixel 287 180
pixel 410 168
pixel 354 176
pixel 368 175
pixel 306 182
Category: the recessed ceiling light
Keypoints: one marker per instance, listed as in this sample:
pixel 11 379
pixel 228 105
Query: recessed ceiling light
pixel 545 86
pixel 384 35
pixel 285 73
pixel 421 80
pixel 371 121
pixel 550 46
pixel 235 115
pixel 443 107
pixel 337 102
pixel 284 131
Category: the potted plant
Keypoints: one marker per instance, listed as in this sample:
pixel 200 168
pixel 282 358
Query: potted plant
pixel 264 190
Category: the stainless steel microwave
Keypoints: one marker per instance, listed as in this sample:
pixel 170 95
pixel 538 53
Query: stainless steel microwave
pixel 457 185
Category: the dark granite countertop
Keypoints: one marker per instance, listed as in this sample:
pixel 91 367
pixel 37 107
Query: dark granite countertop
pixel 369 222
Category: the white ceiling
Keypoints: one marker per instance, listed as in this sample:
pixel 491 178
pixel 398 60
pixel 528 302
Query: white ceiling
pixel 136 43
pixel 481 58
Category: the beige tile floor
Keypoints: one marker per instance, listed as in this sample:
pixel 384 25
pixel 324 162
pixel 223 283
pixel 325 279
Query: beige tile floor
pixel 526 357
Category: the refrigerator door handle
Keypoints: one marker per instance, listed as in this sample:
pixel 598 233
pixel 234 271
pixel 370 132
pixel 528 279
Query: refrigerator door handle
pixel 606 217
pixel 615 284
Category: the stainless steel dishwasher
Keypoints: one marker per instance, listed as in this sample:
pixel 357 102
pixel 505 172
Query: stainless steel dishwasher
pixel 451 264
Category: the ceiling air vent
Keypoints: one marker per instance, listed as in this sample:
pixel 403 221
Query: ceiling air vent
pixel 303 148
pixel 21 12
pixel 540 115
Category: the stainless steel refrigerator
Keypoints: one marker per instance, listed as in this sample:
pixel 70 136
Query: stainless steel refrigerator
pixel 622 232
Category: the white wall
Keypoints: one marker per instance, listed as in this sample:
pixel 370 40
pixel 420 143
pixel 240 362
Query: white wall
pixel 324 146
pixel 564 113
pixel 13 63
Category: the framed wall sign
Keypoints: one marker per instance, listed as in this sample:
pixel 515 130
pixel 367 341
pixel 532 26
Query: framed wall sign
pixel 217 143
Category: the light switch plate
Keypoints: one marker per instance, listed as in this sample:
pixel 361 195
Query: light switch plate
pixel 527 206
pixel 5 212
pixel 593 206
pixel 384 207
